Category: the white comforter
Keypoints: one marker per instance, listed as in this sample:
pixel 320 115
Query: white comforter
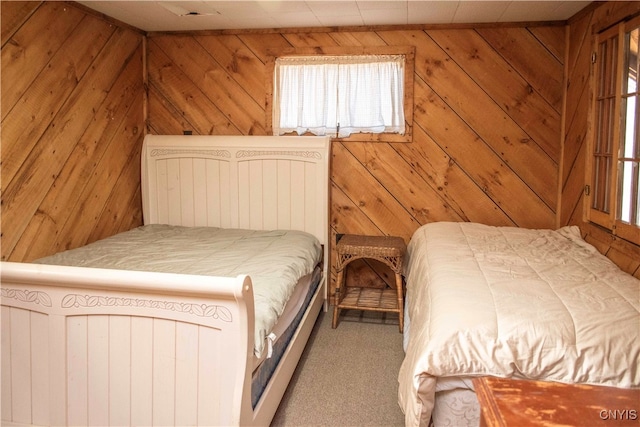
pixel 274 260
pixel 514 302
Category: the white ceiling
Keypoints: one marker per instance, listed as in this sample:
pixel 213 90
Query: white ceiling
pixel 251 14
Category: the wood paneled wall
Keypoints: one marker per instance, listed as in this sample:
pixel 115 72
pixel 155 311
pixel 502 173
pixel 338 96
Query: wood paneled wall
pixel 487 137
pixel 487 121
pixel 579 95
pixel 72 128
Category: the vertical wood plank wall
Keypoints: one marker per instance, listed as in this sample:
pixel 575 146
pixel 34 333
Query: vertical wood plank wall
pixel 72 128
pixel 578 98
pixel 488 124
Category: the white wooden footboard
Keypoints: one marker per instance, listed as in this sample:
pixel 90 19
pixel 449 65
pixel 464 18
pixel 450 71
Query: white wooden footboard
pixel 87 346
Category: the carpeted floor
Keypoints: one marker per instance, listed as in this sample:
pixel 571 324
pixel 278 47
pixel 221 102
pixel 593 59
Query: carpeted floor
pixel 347 376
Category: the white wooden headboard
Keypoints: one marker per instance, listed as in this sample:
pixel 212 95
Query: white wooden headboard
pixel 253 182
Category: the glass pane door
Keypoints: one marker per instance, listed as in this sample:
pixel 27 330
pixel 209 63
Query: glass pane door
pixel 606 123
pixel 629 153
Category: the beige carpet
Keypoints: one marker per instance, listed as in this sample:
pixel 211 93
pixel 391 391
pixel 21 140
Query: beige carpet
pixel 347 376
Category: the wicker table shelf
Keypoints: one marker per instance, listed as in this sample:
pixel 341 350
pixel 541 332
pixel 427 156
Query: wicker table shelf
pixel 386 249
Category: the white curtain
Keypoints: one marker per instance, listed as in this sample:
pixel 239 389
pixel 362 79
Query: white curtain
pixel 339 95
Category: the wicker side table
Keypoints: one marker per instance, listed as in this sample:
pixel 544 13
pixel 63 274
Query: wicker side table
pixel 386 249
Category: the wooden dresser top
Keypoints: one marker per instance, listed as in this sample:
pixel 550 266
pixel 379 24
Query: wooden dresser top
pixel 511 402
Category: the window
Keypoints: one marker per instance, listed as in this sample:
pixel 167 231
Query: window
pixel 338 95
pixel 613 193
pixel 363 95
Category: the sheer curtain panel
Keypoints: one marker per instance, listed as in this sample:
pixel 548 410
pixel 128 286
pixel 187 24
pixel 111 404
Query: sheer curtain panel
pixel 339 95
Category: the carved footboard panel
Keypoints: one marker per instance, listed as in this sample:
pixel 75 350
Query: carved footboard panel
pixel 87 346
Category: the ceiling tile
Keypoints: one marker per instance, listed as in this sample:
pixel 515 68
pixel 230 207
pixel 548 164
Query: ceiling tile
pixel 239 14
pixel 431 12
pixel 540 10
pixel 384 16
pixel 334 8
pixel 297 19
pixel 377 5
pixel 480 11
pixel 273 7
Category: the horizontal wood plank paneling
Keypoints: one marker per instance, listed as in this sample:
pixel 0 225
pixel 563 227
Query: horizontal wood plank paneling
pixel 72 120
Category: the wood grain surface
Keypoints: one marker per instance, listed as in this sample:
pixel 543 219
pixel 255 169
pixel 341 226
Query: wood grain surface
pixel 500 119
pixel 510 402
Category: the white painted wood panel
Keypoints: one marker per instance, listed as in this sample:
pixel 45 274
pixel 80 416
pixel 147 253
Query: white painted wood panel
pixel 124 370
pixel 298 213
pixel 174 197
pixel 244 195
pixel 213 198
pixel 200 211
pixel 160 204
pixel 164 374
pixel 77 368
pixel 58 398
pixel 98 370
pixel 40 368
pixel 228 199
pixel 120 381
pixel 284 194
pixel 187 192
pixel 186 374
pixel 216 197
pixel 5 354
pixel 141 371
pixel 257 195
pixel 209 364
pixel 21 366
pixel 312 212
pixel 270 194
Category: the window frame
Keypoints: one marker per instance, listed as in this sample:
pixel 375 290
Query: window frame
pixel 609 220
pixel 407 51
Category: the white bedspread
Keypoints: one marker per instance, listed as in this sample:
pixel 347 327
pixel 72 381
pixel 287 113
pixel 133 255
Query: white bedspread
pixel 274 260
pixel 514 302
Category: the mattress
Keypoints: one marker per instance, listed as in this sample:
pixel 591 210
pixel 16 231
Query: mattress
pixel 457 407
pixel 512 302
pixel 283 333
pixel 275 261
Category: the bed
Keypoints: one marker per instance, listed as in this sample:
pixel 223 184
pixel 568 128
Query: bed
pixel 510 302
pixel 169 323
